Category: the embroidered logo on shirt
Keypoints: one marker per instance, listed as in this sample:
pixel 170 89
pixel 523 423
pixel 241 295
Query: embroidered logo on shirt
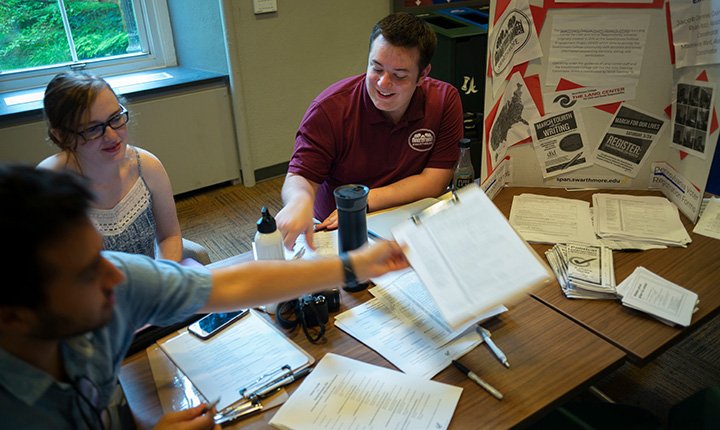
pixel 422 140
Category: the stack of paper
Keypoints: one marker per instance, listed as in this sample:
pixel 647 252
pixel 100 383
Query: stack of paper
pixel 342 393
pixel 468 257
pixel 709 222
pixel 403 325
pixel 544 219
pixel 649 219
pixel 650 293
pixel 583 271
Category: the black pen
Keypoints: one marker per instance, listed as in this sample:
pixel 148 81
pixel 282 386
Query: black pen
pixel 478 380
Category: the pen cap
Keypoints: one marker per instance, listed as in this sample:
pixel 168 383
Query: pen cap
pixel 351 201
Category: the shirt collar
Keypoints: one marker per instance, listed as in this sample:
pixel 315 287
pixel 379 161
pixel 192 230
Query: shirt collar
pixel 28 383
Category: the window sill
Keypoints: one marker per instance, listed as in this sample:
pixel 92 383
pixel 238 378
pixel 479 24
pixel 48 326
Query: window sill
pixel 130 86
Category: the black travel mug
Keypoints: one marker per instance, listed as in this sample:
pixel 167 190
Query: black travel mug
pixel 351 202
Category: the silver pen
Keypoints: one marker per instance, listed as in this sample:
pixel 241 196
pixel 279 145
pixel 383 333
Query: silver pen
pixel 485 333
pixel 478 380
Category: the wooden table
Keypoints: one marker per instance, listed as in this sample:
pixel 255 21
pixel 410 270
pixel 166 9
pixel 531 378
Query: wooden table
pixel 551 359
pixel 642 337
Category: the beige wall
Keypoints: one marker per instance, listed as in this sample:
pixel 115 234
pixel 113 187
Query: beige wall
pixel 286 58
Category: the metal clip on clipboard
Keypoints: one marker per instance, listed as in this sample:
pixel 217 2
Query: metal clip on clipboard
pixel 265 386
pixel 437 207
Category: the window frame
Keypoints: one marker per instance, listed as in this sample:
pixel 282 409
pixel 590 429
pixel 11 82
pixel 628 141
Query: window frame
pixel 152 16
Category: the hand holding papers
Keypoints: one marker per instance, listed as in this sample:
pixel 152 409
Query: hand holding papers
pixel 345 393
pixel 468 257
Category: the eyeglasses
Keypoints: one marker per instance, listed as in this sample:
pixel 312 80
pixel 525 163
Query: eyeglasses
pixel 97 131
pixel 88 402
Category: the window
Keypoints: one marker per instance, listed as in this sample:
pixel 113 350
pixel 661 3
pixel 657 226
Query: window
pixel 41 38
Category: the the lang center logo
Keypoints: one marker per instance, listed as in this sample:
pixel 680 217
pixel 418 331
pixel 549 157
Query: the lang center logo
pixel 422 140
pixel 514 33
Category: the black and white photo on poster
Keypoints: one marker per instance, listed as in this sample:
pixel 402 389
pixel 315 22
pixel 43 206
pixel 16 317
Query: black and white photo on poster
pixel 512 41
pixel 560 143
pixel 515 111
pixel 692 110
pixel 628 140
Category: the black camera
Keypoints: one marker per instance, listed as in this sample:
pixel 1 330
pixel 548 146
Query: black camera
pixel 312 309
pixel 308 311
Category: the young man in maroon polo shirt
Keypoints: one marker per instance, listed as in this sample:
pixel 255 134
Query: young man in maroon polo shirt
pixel 393 129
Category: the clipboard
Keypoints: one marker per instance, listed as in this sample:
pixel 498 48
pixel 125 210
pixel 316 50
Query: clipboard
pixel 249 353
pixel 468 256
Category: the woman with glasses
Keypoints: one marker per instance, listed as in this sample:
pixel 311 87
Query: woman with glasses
pixel 134 206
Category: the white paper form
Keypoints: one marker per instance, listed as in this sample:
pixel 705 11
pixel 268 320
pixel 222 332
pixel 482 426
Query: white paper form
pixel 407 294
pixel 709 223
pixel 648 218
pixel 412 342
pixel 645 291
pixel 235 358
pixel 468 257
pixel 345 394
pixel 591 50
pixel 694 32
pixel 543 219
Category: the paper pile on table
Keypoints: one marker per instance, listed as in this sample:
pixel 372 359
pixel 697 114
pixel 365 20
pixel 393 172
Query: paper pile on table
pixel 583 271
pixel 647 292
pixel 648 219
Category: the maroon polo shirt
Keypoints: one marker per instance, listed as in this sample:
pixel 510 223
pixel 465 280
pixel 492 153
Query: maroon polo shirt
pixel 344 139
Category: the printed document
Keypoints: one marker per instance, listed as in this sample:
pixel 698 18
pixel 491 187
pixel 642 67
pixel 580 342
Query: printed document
pixel 647 292
pixel 468 256
pixel 342 393
pixel 234 359
pixel 402 330
pixel 544 219
pixel 709 223
pixel 642 218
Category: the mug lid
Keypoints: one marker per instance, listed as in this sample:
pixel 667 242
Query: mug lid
pixel 352 197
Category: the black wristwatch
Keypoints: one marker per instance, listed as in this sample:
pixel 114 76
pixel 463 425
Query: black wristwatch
pixel 351 281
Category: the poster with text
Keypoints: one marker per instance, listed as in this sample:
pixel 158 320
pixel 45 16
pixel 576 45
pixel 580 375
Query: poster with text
pixel 577 98
pixel 513 41
pixel 695 32
pixel 560 143
pixel 693 106
pixel 597 50
pixel 628 140
pixel 677 188
pixel 511 125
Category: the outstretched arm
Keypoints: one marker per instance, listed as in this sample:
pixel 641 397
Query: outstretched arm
pixel 259 282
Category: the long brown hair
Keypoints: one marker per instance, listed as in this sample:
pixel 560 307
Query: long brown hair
pixel 67 102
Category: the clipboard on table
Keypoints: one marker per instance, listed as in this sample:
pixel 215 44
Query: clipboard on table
pixel 468 256
pixel 243 358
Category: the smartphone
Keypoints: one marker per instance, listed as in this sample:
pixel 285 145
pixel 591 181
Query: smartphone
pixel 211 324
